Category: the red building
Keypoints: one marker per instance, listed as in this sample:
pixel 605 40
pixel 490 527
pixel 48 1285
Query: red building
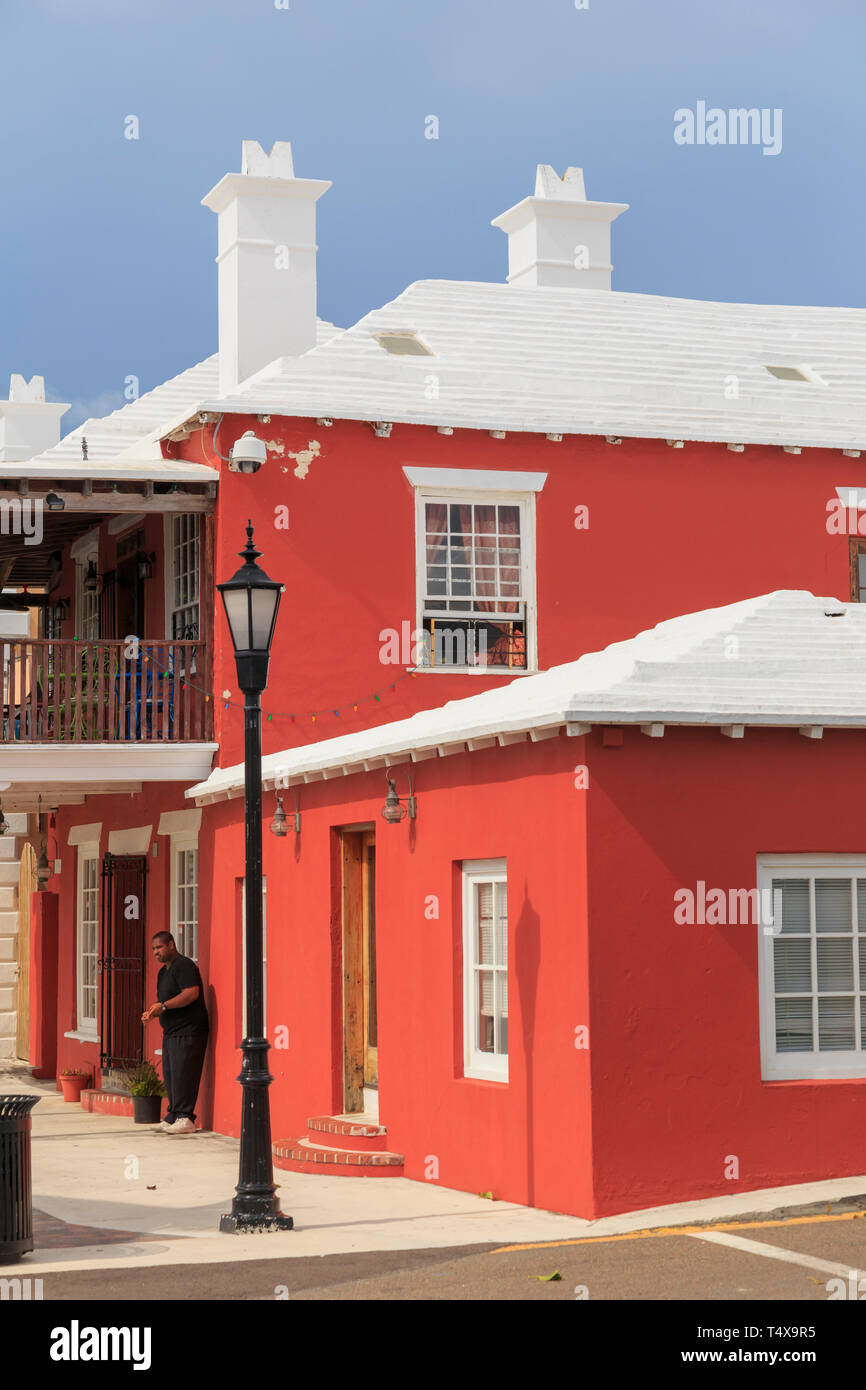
pixel 465 493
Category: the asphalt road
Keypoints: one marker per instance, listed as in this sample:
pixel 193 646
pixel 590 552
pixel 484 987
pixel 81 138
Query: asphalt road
pixel 792 1255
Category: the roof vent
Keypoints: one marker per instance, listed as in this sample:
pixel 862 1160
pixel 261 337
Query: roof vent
pixel 403 344
pixel 801 373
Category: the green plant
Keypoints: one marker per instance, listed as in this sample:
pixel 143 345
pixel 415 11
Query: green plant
pixel 76 1071
pixel 144 1080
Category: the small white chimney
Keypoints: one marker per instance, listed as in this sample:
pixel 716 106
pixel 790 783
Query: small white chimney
pixel 28 423
pixel 557 237
pixel 267 261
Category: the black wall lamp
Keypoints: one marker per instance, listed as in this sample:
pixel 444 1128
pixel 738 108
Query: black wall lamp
pixel 92 580
pixel 54 503
pixel 144 564
pixel 279 823
pixel 394 811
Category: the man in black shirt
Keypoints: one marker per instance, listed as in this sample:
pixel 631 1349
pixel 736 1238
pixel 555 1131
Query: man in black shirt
pixel 181 1010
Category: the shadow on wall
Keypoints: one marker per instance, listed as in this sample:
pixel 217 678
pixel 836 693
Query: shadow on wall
pixel 527 958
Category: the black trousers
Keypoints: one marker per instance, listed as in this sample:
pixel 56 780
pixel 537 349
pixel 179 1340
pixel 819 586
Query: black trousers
pixel 183 1057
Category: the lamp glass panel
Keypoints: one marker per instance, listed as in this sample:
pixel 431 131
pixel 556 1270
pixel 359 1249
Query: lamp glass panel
pixel 237 613
pixel 264 606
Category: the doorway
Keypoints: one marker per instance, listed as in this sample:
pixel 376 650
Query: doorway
pixel 122 960
pixel 360 1027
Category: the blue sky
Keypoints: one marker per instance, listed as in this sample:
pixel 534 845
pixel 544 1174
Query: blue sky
pixel 108 258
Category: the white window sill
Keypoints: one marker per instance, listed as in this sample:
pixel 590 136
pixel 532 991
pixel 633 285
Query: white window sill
pixel 80 1036
pixel 477 1074
pixel 472 671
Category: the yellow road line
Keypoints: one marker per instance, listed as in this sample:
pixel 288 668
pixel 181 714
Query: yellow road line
pixel 682 1231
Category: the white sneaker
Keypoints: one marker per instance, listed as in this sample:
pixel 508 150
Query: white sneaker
pixel 166 1124
pixel 182 1126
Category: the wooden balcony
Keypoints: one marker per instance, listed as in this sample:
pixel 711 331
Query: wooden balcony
pixel 65 692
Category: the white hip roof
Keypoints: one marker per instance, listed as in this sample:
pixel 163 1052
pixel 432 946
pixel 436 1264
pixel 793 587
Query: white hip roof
pixel 580 361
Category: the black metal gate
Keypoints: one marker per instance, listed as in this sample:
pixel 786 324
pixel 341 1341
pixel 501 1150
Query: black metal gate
pixel 122 959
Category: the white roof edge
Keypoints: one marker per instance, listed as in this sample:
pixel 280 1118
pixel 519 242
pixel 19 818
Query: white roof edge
pixel 801 661
pixel 168 471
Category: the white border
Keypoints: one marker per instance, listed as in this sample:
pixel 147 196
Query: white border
pixel 87 1030
pixel 799 1066
pixel 526 502
pixel 479 479
pixel 481 1066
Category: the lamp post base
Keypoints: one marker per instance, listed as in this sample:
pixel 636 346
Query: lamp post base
pixel 240 1224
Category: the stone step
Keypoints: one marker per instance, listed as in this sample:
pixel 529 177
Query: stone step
pixel 7 1049
pixel 300 1156
pixel 8 973
pixel 8 922
pixel 9 848
pixel 9 948
pixel 8 1024
pixel 8 897
pixel 8 997
pixel 362 1133
pixel 9 869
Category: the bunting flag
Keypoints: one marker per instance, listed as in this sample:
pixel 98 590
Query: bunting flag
pixel 312 714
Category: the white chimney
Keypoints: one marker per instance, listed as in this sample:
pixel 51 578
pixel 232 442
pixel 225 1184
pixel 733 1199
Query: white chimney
pixel 557 237
pixel 28 423
pixel 267 261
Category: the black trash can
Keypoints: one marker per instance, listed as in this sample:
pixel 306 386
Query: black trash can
pixel 16 1192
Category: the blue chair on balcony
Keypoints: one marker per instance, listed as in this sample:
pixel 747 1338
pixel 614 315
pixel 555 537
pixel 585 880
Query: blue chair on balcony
pixel 143 692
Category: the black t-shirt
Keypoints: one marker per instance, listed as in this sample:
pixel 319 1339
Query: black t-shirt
pixel 178 975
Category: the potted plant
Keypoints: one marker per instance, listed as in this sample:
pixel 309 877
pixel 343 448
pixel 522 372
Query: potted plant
pixel 73 1081
pixel 147 1091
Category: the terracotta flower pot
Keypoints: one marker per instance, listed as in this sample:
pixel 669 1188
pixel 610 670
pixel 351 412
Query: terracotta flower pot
pixel 73 1086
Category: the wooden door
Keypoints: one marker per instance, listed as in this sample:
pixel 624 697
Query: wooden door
pixel 27 884
pixel 360 1036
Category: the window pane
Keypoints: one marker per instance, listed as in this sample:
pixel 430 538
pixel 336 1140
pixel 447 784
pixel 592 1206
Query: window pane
pixel 833 904
pixel 793 1025
pixel 835 961
pixel 836 1025
pixel 484 917
pixel 794 899
pixel 486 1037
pixel 793 966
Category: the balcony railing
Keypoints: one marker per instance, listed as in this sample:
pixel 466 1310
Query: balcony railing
pixel 57 691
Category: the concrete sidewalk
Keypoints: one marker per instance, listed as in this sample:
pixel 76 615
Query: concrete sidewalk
pixel 110 1194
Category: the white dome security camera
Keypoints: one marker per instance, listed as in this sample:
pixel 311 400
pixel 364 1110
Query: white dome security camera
pixel 247 454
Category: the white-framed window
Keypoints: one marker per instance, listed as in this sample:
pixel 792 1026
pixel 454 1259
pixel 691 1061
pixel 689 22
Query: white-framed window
pixel 87 939
pixel 184 893
pixel 485 969
pixel 86 600
pixel 264 956
pixel 182 576
pixel 475 571
pixel 812 966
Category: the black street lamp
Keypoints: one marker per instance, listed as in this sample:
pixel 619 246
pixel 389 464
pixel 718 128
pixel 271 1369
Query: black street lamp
pixel 251 601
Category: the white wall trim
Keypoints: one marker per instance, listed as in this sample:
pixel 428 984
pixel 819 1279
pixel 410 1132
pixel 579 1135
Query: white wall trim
pixel 478 479
pixel 78 1035
pixel 80 549
pixel 180 822
pixel 478 1065
pixel 85 834
pixel 134 841
pixel 118 524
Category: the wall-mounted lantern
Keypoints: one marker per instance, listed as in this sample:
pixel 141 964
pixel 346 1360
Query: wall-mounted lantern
pixel 144 564
pixel 92 580
pixel 394 811
pixel 279 822
pixel 54 503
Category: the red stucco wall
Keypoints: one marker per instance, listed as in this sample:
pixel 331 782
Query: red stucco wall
pixel 675 1039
